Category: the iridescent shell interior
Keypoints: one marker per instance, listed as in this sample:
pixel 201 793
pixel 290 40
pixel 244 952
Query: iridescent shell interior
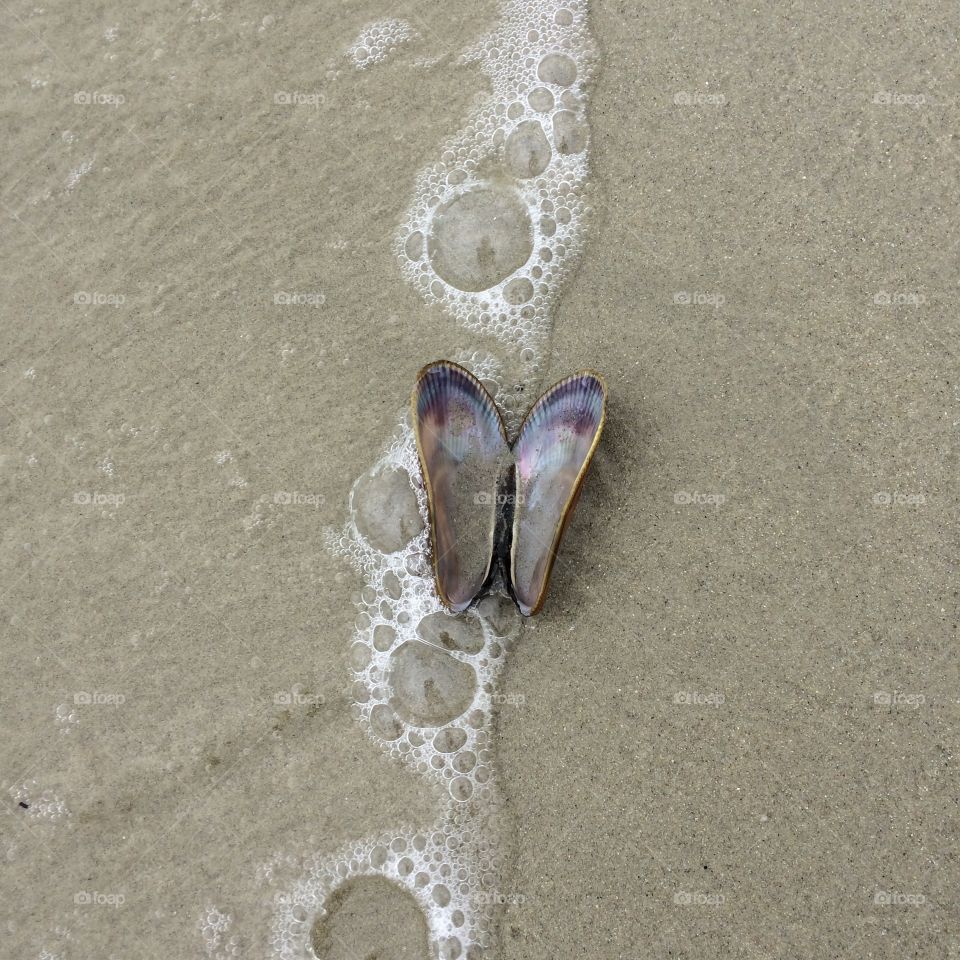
pixel 485 498
pixel 464 453
pixel 552 452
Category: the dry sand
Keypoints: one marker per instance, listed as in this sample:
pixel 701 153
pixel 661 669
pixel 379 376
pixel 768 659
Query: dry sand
pixel 732 731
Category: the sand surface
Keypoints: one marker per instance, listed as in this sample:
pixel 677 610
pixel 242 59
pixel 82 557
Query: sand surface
pixel 732 731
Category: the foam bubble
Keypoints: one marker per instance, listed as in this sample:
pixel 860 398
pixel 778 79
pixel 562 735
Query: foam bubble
pixel 449 740
pixel 527 151
pixel 429 686
pixel 383 637
pixel 557 68
pixel 480 237
pixel 541 100
pixel 413 248
pixel 451 632
pixel 386 509
pixel 385 723
pixel 517 291
pixel 569 132
pixel 435 713
pixel 379 41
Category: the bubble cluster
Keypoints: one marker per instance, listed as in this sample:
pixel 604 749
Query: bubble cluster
pixel 66 718
pixel 448 871
pixel 38 803
pixel 424 690
pixel 422 677
pixel 218 942
pixel 494 227
pixel 496 223
pixel 378 41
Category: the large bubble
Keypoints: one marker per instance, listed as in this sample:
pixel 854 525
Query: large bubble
pixel 480 237
pixel 429 686
pixel 517 291
pixel 541 99
pixel 385 509
pixel 569 133
pixel 370 917
pixel 557 68
pixel 452 633
pixel 527 151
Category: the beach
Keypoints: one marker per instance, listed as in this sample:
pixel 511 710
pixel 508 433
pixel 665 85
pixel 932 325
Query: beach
pixel 730 732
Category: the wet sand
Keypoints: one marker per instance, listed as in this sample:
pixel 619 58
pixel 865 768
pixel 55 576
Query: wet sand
pixel 730 733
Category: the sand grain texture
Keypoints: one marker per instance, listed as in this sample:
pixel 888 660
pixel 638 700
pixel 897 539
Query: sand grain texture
pixel 732 731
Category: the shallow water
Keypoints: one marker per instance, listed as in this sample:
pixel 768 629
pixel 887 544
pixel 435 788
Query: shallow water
pixel 730 732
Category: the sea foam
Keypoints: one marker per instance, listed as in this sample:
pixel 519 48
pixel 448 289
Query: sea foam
pixel 494 227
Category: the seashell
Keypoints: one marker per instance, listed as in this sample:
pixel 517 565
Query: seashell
pixel 462 446
pixel 498 512
pixel 555 445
